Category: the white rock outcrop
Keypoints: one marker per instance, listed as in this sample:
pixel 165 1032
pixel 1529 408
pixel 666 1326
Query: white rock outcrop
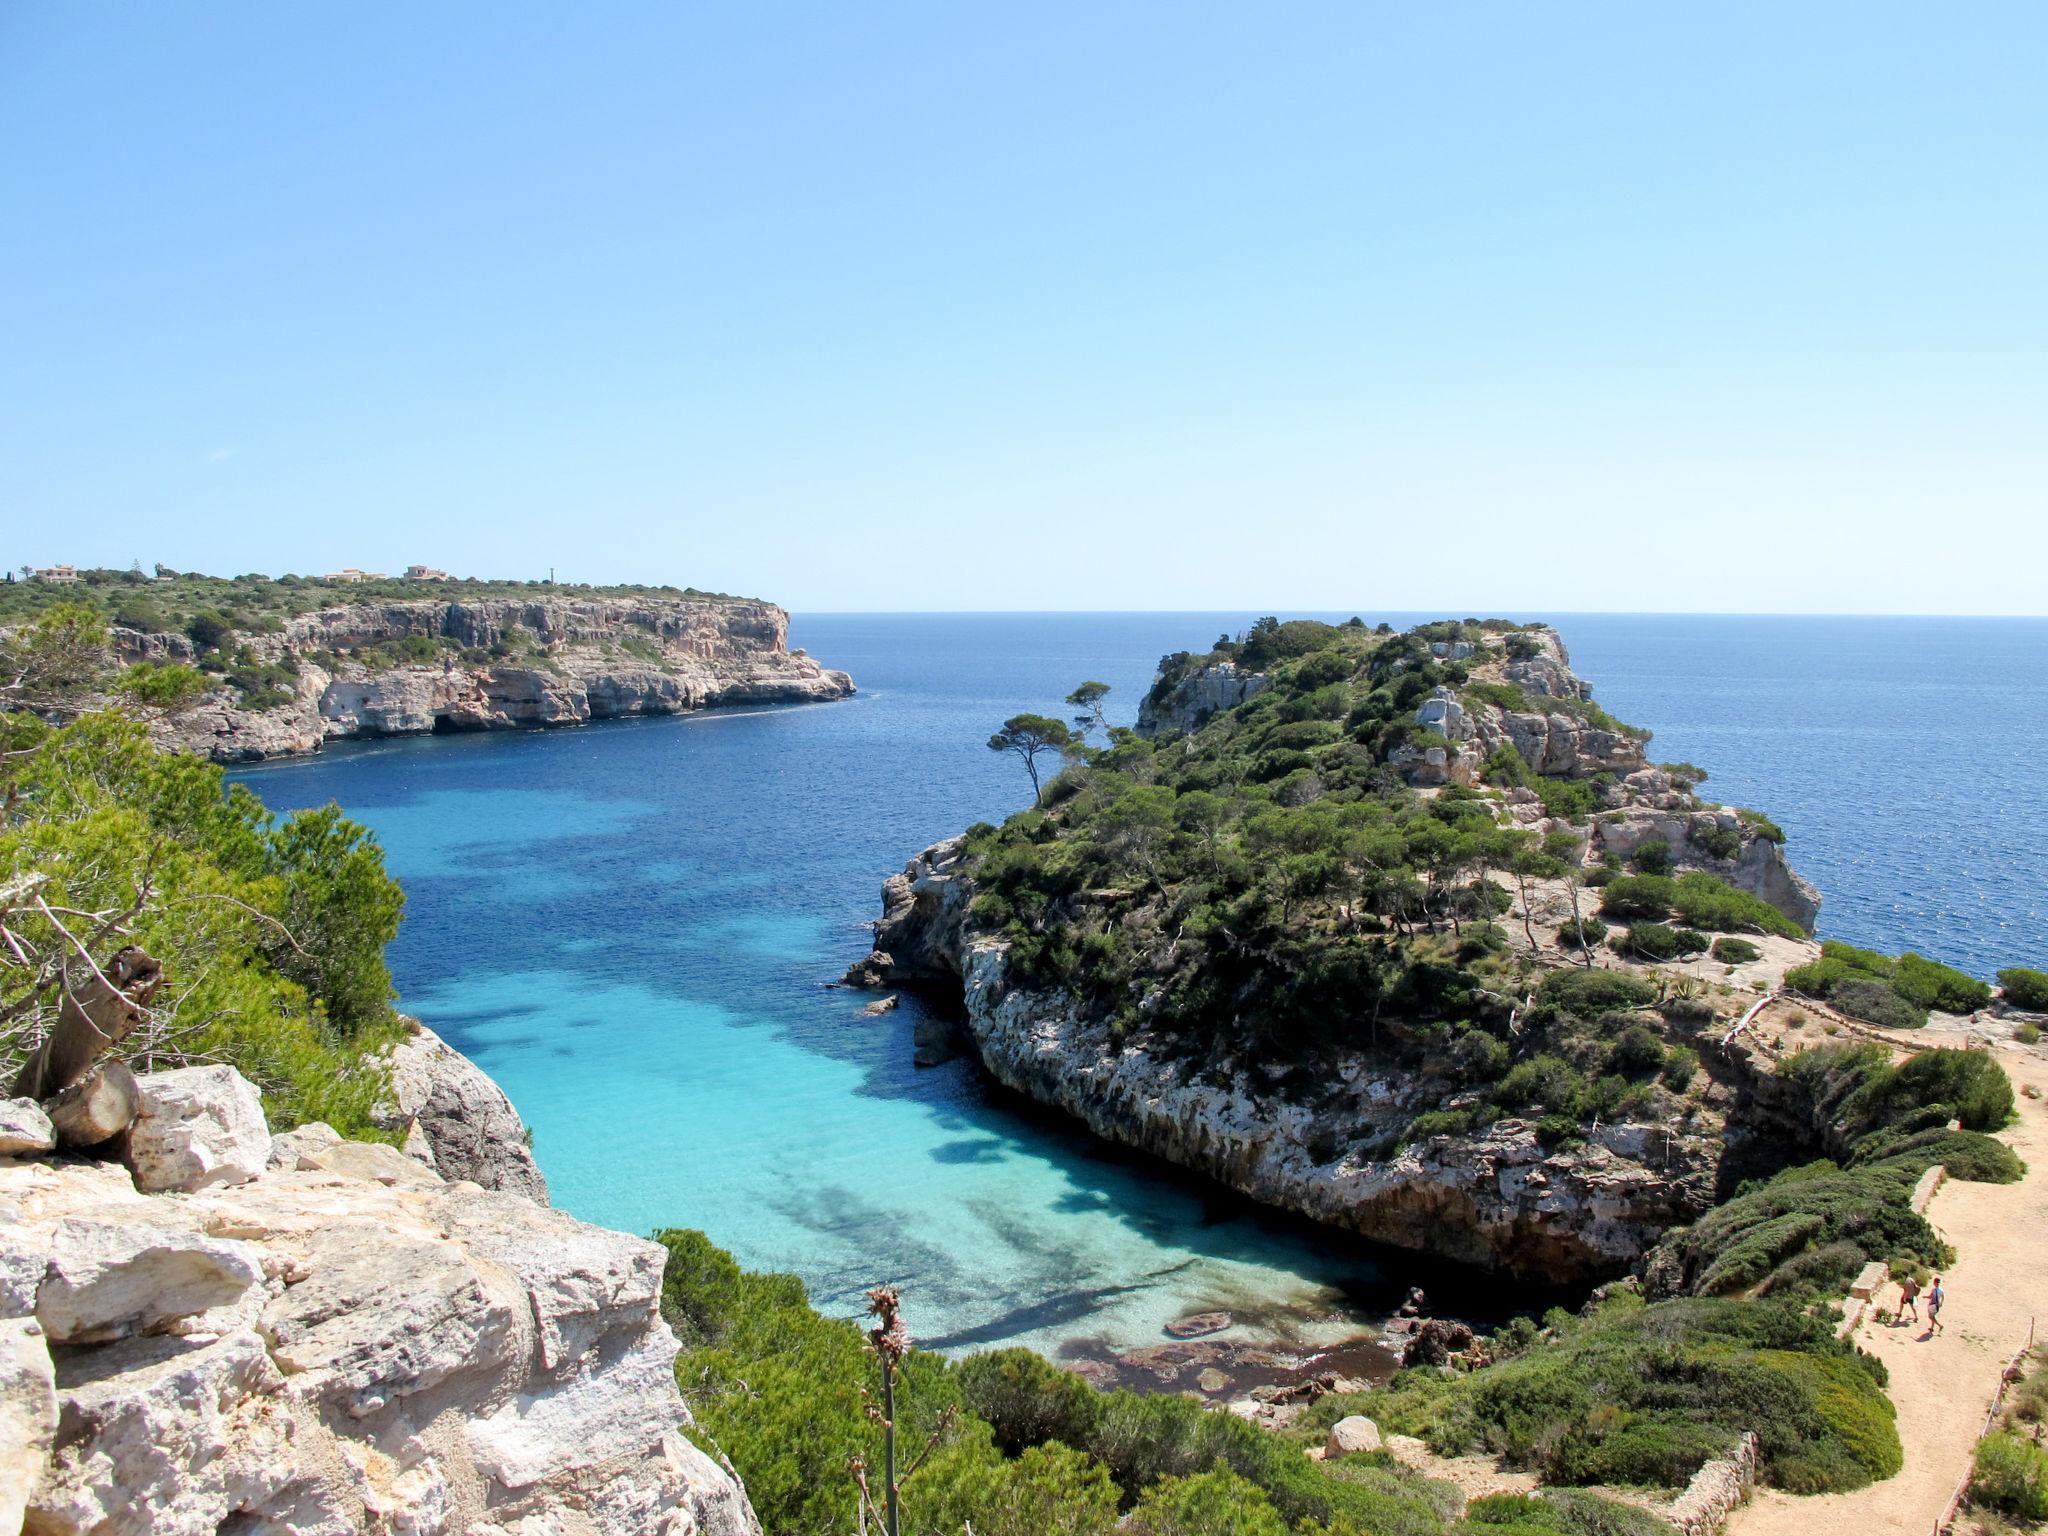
pixel 470 1129
pixel 197 1127
pixel 344 1343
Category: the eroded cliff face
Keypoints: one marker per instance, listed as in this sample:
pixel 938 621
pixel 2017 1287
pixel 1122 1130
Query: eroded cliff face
pixel 1500 1198
pixel 504 664
pixel 309 1335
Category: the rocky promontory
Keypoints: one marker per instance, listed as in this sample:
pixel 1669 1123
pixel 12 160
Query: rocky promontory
pixel 224 1330
pixel 399 668
pixel 1408 1099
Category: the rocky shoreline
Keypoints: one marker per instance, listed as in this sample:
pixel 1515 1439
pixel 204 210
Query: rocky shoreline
pixel 493 664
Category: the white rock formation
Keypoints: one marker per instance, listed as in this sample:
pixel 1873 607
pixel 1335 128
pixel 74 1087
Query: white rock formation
pixel 1351 1436
pixel 470 1128
pixel 24 1128
pixel 343 1344
pixel 198 1127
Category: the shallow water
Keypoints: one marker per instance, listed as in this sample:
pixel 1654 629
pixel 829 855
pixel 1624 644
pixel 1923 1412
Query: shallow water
pixel 628 927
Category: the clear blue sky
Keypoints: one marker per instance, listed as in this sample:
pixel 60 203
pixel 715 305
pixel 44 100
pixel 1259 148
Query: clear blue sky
pixel 1483 307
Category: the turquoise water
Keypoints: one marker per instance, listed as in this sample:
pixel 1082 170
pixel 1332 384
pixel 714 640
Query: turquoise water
pixel 629 927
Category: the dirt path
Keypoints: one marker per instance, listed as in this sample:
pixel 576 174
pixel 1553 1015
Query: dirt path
pixel 1943 1385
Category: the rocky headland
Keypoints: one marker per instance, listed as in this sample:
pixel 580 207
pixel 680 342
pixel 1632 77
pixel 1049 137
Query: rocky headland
pixel 1366 1128
pixel 405 668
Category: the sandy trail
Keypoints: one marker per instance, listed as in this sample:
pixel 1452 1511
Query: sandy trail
pixel 1943 1384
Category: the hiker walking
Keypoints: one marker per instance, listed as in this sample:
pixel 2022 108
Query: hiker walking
pixel 1935 1297
pixel 1909 1298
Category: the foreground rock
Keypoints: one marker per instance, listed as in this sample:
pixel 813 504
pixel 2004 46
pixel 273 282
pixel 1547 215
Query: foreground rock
pixel 341 1343
pixel 497 664
pixel 469 1128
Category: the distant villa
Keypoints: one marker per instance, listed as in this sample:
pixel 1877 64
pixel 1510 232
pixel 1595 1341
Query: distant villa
pixel 352 575
pixel 425 573
pixel 63 575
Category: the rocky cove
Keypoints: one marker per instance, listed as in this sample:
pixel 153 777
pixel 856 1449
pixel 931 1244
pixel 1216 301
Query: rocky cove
pixel 489 664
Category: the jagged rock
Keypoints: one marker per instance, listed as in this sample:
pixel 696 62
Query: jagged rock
pixel 1436 1341
pixel 1195 697
pixel 28 1414
pixel 1350 1436
pixel 465 1118
pixel 883 1004
pixel 106 1280
pixel 1198 1325
pixel 922 910
pixel 870 971
pixel 24 1128
pixel 197 1127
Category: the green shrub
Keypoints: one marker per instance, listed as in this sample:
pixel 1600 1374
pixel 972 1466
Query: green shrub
pixel 1027 1400
pixel 2025 988
pixel 1218 1503
pixel 1629 897
pixel 1567 799
pixel 1761 825
pixel 2009 1473
pixel 1587 994
pixel 1875 1002
pixel 1654 942
pixel 162 684
pixel 1679 1065
pixel 1735 951
pixel 1652 857
pixel 1581 933
pixel 1934 985
pixel 1708 901
pixel 1440 1122
pixel 1719 842
pixel 2027 1034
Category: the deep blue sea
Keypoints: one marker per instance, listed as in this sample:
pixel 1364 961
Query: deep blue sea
pixel 628 927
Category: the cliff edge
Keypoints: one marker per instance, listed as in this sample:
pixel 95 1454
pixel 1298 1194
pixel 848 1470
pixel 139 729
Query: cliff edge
pixel 231 1331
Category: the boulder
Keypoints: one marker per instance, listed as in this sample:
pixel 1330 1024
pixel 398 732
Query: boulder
pixel 288 1147
pixel 28 1414
pixel 24 1129
pixel 1350 1436
pixel 197 1127
pixel 472 1128
pixel 106 1280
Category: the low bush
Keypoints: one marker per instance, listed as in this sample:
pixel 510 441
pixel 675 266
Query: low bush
pixel 1630 897
pixel 1735 951
pixel 1581 932
pixel 162 684
pixel 2009 1473
pixel 1719 842
pixel 1567 799
pixel 1875 1002
pixel 1708 901
pixel 1641 1394
pixel 1655 941
pixel 1934 985
pixel 1652 858
pixel 2024 988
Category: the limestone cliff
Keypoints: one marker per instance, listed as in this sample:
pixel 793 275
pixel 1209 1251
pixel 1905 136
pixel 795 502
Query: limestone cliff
pixel 303 1334
pixel 491 664
pixel 1501 1198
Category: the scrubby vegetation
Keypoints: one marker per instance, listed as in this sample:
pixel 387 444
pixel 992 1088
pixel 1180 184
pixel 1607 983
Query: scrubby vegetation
pixel 1805 1232
pixel 1882 990
pixel 1012 1444
pixel 271 931
pixel 1641 1393
pixel 2010 1471
pixel 2025 988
